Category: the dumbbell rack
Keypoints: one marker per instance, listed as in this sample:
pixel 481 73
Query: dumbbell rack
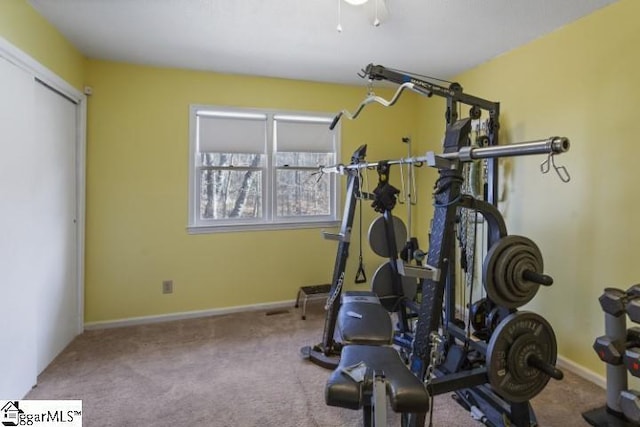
pixel 619 348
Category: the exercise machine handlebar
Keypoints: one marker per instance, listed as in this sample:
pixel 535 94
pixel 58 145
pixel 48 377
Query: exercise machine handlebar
pixel 551 146
pixel 454 92
pixel 373 98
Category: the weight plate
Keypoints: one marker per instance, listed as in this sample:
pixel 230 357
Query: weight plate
pixel 510 266
pixel 378 236
pixel 495 316
pixel 503 268
pixel 519 336
pixel 478 314
pixel 382 285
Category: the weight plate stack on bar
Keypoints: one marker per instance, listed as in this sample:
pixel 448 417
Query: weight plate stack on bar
pixel 506 265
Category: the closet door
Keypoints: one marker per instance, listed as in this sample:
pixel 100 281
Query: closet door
pixel 55 126
pixel 19 240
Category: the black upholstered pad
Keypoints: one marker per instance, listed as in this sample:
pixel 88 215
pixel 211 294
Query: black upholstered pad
pixel 374 327
pixel 405 391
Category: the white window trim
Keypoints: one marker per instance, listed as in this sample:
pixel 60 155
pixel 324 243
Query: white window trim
pixel 196 226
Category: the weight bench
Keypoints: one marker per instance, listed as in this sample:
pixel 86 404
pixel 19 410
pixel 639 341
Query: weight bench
pixel 370 369
pixel 363 320
pixel 368 374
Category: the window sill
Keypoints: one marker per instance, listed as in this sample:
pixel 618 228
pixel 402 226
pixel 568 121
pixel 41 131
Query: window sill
pixel 232 228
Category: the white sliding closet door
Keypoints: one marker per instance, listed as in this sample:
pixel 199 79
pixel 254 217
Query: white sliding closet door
pixel 54 213
pixel 40 220
pixel 19 240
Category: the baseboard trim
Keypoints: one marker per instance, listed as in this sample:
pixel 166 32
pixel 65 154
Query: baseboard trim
pixel 581 371
pixel 143 320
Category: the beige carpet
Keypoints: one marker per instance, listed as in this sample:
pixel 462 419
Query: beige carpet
pixel 236 370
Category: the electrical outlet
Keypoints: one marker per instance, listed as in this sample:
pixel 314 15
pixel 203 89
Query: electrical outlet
pixel 167 286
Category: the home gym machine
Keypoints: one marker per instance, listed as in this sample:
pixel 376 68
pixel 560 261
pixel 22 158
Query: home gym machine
pixel 326 353
pixel 394 292
pixel 494 377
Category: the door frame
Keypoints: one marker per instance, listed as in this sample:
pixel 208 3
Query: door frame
pixel 24 61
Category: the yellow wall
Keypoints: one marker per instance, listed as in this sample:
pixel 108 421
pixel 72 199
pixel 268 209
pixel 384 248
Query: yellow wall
pixel 137 193
pixel 580 82
pixel 430 129
pixel 23 27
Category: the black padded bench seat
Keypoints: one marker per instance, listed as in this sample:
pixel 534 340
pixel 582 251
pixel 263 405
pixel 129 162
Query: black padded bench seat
pixel 405 391
pixel 363 320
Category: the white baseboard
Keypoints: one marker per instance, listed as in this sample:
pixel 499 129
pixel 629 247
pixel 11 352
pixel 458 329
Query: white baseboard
pixel 143 320
pixel 581 371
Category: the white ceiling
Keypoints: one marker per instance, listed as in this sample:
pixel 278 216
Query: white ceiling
pixel 298 39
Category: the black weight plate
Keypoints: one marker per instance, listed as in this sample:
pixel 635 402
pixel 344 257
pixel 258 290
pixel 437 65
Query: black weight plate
pixel 529 258
pixel 495 316
pixel 510 256
pixel 518 336
pixel 382 285
pixel 508 259
pixel 516 259
pixel 378 236
pixel 503 267
pixel 478 314
pixel 488 274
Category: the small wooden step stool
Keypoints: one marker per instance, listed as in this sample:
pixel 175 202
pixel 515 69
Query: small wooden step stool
pixel 314 292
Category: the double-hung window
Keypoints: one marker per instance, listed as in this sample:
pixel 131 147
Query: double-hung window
pixel 258 169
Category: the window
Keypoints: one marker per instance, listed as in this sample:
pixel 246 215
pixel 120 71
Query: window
pixel 257 169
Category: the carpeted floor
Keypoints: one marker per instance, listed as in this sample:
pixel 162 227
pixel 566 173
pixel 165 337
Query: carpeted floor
pixel 236 370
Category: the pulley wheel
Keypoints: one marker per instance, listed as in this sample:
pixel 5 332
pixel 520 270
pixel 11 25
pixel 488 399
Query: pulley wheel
pixel 503 270
pixel 521 340
pixel 382 285
pixel 378 236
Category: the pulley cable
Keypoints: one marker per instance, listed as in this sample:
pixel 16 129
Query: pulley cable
pixel 361 276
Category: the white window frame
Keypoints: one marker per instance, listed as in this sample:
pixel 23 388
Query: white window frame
pixel 269 220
